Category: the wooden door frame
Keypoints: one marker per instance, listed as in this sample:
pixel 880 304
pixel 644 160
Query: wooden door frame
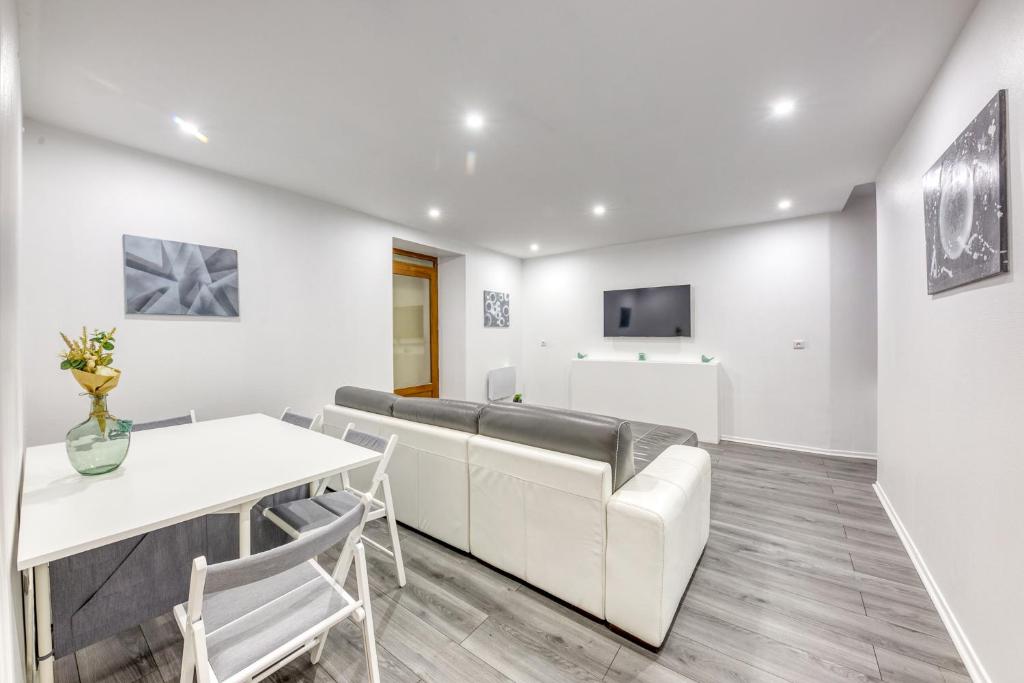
pixel 401 268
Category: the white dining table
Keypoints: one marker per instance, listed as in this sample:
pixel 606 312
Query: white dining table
pixel 171 475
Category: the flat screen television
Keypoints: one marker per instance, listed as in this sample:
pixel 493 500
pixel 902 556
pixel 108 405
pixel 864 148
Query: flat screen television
pixel 647 312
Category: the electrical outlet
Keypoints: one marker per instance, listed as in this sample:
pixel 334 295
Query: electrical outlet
pixel 799 344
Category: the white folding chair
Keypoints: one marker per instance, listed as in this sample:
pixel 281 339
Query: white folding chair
pixel 291 417
pixel 300 517
pixel 247 618
pixel 304 490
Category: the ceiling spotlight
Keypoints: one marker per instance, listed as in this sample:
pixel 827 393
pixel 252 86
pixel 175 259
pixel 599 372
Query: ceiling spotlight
pixel 190 128
pixel 785 204
pixel 434 212
pixel 475 120
pixel 534 247
pixel 783 107
pixel 599 209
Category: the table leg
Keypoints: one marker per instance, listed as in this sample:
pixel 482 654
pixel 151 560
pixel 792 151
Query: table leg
pixel 44 633
pixel 245 528
pixel 28 589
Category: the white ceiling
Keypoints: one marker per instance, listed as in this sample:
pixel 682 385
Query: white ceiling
pixel 660 109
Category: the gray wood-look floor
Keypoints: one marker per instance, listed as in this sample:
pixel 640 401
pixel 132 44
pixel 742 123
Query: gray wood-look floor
pixel 803 579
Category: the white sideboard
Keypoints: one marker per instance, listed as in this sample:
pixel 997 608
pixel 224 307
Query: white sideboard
pixel 677 393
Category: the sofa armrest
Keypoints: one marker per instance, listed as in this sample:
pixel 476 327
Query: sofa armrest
pixel 658 525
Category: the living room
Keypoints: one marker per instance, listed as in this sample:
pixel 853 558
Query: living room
pixel 539 275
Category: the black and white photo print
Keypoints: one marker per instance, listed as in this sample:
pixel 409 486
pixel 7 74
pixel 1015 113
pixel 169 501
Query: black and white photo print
pixel 496 305
pixel 163 277
pixel 965 204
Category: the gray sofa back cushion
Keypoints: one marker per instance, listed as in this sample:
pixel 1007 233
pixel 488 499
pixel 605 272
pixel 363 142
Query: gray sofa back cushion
pixel 461 415
pixel 596 437
pixel 369 400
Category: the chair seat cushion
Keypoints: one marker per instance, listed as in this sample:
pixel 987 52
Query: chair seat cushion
pixel 303 515
pixel 338 502
pixel 247 623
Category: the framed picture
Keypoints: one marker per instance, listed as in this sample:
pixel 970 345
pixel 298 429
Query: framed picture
pixel 965 204
pixel 496 309
pixel 163 277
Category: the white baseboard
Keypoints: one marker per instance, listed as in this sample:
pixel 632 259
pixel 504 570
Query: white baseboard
pixel 861 455
pixel 956 633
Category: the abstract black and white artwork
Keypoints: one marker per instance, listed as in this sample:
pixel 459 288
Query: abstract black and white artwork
pixel 496 309
pixel 965 204
pixel 163 277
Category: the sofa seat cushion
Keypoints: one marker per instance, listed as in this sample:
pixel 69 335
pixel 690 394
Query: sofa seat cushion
pixel 595 437
pixel 368 400
pixel 463 416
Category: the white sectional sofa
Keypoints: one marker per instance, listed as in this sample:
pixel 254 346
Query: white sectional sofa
pixel 547 495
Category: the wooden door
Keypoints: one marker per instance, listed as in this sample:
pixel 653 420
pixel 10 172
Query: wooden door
pixel 414 316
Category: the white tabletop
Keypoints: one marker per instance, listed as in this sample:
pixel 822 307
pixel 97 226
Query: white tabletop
pixel 170 475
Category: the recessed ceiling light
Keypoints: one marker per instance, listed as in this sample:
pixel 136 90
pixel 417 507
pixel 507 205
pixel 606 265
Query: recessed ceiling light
pixel 783 107
pixel 534 247
pixel 434 212
pixel 599 209
pixel 785 204
pixel 190 128
pixel 474 120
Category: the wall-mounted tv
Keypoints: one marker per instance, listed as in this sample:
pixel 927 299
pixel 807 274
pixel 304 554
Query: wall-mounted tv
pixel 647 312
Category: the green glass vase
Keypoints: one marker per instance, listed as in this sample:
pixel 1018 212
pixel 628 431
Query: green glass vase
pixel 100 444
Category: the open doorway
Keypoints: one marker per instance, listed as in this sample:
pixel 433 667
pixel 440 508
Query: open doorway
pixel 414 311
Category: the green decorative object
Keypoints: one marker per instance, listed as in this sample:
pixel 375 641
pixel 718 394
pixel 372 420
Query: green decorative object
pixel 580 355
pixel 518 398
pixel 641 356
pixel 100 443
pixel 706 359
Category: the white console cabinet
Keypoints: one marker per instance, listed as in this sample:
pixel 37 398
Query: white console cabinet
pixel 677 393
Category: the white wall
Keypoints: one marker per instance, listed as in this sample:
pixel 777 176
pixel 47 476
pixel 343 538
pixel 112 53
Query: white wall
pixel 853 320
pixel 315 284
pixel 755 289
pixel 490 348
pixel 11 423
pixel 451 293
pixel 951 367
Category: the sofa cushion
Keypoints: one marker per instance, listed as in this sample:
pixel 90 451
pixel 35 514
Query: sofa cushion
pixel 461 415
pixel 369 400
pixel 597 437
pixel 652 443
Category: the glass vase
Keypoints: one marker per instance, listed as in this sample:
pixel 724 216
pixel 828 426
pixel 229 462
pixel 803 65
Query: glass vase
pixel 100 444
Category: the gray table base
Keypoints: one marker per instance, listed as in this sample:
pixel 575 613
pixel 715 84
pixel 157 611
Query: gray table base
pixel 93 595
